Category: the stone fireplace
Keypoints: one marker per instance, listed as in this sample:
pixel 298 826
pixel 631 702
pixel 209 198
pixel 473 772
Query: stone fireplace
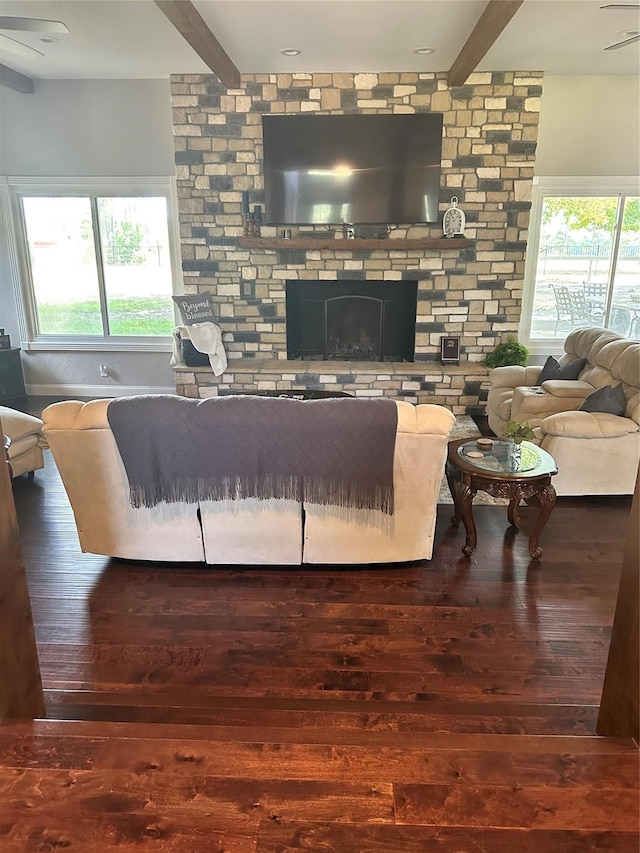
pixel 351 320
pixel 470 289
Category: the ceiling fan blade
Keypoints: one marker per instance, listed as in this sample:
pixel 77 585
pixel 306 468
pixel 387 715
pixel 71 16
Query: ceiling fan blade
pixel 33 25
pixel 621 6
pixel 17 48
pixel 624 43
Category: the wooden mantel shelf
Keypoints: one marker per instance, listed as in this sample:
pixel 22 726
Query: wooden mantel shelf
pixel 341 245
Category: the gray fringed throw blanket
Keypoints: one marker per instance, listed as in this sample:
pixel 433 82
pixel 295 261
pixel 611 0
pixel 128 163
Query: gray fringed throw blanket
pixel 336 451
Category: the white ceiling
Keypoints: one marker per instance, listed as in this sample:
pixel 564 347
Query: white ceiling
pixel 133 39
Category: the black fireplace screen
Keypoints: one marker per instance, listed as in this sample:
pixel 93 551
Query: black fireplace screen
pixel 351 320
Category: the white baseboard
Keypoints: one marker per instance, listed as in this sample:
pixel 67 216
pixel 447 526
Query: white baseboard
pixel 96 390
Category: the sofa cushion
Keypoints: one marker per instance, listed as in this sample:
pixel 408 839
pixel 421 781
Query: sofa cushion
pixel 596 375
pixel 512 376
pixel 554 370
pixel 533 404
pixel 609 398
pixel 550 369
pixel 572 369
pixel 614 352
pixel 17 424
pixel 587 343
pixel 501 402
pixel 570 389
pixel 579 424
pixel 22 445
pixel 623 362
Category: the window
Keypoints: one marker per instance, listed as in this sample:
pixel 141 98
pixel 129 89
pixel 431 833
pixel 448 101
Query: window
pixel 98 263
pixel 583 260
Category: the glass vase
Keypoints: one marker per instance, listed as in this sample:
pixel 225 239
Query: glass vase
pixel 515 455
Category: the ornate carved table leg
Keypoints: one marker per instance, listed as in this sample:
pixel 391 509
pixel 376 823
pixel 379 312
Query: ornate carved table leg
pixel 453 482
pixel 512 512
pixel 547 498
pixel 466 494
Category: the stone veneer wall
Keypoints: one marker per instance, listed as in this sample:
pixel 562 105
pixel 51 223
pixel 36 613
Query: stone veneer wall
pixel 490 133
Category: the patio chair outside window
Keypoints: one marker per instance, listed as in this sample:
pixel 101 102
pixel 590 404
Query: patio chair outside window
pixel 570 306
pixel 623 319
pixel 586 310
pixel 596 290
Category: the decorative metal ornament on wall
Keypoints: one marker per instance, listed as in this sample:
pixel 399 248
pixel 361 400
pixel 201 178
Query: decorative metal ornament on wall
pixel 453 220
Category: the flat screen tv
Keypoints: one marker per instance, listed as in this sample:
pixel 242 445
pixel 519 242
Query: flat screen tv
pixel 352 169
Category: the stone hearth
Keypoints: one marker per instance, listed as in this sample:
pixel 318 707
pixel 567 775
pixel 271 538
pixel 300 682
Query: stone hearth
pixel 459 387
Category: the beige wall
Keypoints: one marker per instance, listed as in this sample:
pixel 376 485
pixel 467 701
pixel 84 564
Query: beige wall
pixel 589 126
pixel 87 128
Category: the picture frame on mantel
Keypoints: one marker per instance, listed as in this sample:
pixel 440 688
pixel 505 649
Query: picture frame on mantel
pixel 5 340
pixel 450 350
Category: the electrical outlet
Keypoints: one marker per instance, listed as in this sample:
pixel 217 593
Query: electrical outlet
pixel 104 370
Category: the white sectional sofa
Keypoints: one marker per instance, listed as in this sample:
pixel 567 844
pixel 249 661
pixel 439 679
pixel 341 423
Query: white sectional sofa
pixel 597 453
pixel 246 531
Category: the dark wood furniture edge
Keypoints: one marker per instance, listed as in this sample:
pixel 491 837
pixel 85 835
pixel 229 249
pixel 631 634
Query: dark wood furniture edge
pixel 21 696
pixel 620 705
pixel 14 396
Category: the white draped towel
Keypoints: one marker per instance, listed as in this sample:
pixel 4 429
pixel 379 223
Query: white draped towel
pixel 207 338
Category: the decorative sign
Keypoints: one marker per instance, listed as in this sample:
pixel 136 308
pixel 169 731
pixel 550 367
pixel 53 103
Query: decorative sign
pixel 195 308
pixel 450 350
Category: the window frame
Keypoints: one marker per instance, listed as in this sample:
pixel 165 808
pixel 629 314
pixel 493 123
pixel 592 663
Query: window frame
pixel 544 187
pixel 13 188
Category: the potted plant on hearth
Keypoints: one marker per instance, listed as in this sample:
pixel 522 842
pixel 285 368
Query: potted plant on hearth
pixel 507 353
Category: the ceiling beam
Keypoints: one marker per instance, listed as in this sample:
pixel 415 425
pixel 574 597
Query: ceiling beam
pixel 493 20
pixel 16 81
pixel 191 26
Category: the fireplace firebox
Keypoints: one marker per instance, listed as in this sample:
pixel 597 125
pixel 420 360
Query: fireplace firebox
pixel 351 320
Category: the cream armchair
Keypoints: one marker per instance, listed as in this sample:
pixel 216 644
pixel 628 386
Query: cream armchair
pixel 27 441
pixel 597 453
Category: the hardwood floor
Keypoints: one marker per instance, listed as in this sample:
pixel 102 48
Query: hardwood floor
pixel 448 705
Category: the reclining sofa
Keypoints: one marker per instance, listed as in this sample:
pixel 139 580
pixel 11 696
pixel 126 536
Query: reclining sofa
pixel 597 452
pixel 247 530
pixel 27 441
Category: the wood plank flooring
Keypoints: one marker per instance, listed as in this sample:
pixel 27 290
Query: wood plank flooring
pixel 448 705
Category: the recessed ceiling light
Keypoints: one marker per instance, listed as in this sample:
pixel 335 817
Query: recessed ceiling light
pixel 48 39
pixel 424 50
pixel 290 51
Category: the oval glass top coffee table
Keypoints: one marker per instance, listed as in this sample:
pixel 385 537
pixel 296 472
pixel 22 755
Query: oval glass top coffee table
pixel 496 472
